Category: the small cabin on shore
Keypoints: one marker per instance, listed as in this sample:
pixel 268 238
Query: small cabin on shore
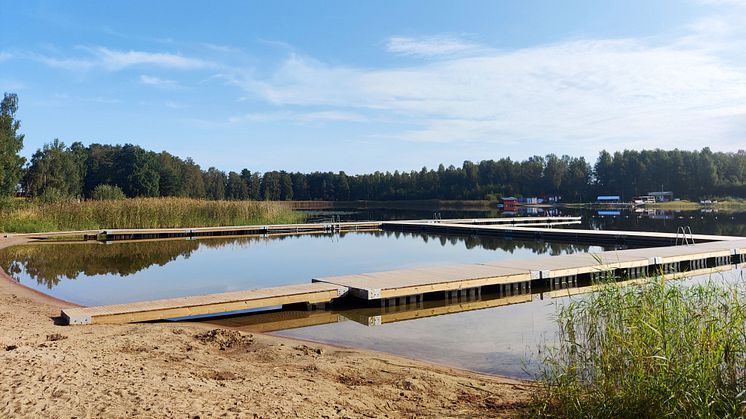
pixel 510 203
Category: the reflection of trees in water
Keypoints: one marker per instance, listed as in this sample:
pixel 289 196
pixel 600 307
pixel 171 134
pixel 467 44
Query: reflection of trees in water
pixel 48 264
pixel 492 243
pixel 726 224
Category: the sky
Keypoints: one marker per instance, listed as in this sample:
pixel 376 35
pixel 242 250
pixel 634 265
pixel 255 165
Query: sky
pixel 377 85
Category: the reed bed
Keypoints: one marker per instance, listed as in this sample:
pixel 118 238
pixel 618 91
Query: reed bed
pixel 28 216
pixel 656 350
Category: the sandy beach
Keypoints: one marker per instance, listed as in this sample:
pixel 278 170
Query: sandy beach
pixel 193 370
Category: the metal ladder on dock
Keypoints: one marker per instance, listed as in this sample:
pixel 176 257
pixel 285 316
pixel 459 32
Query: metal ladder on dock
pixel 686 236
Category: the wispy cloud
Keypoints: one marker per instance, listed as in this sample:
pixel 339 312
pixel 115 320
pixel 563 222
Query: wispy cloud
pixel 300 117
pixel 430 46
pixel 116 60
pixel 581 93
pixel 740 3
pixel 158 82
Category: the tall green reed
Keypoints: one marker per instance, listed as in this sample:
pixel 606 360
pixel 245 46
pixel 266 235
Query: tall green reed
pixel 660 349
pixel 141 213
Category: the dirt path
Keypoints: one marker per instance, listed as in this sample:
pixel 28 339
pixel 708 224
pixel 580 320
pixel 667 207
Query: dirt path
pixel 189 370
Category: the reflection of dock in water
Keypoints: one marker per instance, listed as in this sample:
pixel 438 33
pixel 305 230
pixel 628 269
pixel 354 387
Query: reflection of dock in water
pixel 430 308
pixel 271 321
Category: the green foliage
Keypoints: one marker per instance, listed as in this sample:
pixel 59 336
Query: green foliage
pixel 54 172
pixel 78 170
pixel 690 174
pixel 11 143
pixel 215 181
pixel 52 195
pixel 656 350
pixel 107 192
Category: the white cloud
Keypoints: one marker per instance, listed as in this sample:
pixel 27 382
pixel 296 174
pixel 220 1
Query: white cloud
pixel 431 46
pixel 69 64
pixel 741 3
pixel 581 93
pixel 300 117
pixel 117 60
pixel 157 81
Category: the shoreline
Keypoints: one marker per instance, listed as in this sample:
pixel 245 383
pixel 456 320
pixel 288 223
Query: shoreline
pixel 128 370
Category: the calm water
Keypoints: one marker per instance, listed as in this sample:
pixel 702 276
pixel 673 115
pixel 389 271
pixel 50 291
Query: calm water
pixel 497 335
pixel 503 340
pixel 96 274
pixel 704 221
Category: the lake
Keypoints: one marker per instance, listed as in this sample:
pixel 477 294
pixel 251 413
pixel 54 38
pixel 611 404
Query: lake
pixel 495 334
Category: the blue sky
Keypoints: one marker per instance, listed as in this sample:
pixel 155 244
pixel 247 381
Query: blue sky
pixel 378 85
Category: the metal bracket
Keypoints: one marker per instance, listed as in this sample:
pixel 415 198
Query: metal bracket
pixel 374 293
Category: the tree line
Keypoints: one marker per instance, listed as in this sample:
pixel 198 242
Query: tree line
pixel 59 170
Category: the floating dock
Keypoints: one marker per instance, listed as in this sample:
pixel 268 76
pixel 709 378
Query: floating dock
pixel 407 286
pixel 526 231
pixel 259 230
pixel 314 293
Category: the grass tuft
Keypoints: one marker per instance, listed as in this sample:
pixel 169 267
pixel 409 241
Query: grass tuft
pixel 661 349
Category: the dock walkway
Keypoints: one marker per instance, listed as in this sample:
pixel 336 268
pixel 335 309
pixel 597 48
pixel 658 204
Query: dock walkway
pixel 314 293
pixel 521 230
pixel 252 230
pixel 411 285
pixel 408 284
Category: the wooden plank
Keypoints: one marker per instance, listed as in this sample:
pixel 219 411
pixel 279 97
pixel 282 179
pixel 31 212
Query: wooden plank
pixel 388 284
pixel 204 304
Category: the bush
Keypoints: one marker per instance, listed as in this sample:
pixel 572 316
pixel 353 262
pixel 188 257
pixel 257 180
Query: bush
pixel 656 350
pixel 107 192
pixel 52 195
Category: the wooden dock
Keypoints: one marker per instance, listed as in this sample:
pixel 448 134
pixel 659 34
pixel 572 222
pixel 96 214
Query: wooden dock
pixel 314 293
pixel 270 229
pixel 522 230
pixel 163 233
pixel 405 286
pixel 408 286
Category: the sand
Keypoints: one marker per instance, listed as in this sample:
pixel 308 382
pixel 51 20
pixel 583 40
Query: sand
pixel 194 370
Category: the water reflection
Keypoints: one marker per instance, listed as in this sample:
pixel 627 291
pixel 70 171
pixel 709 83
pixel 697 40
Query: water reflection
pixel 49 264
pixel 95 273
pixel 492 333
pixel 701 221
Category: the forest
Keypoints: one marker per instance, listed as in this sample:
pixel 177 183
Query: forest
pixel 58 171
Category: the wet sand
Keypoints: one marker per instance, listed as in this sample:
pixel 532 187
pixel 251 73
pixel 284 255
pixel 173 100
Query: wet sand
pixel 190 369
